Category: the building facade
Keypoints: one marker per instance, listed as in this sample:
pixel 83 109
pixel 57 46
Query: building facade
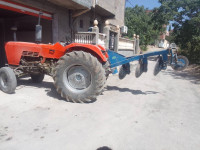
pixel 60 19
pixel 66 15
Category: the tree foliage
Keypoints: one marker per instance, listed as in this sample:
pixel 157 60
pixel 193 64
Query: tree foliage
pixel 139 21
pixel 185 18
pixel 185 15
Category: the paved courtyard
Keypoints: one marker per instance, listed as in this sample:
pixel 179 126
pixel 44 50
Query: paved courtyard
pixel 149 113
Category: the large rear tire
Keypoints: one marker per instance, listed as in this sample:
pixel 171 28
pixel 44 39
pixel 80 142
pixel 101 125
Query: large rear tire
pixel 79 77
pixel 8 81
pixel 106 66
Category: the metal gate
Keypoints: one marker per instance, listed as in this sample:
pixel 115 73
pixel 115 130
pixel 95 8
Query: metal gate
pixel 112 40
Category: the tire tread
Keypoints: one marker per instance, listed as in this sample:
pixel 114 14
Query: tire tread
pixel 91 62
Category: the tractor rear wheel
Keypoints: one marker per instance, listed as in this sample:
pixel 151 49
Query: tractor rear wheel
pixel 37 78
pixel 8 81
pixel 79 77
pixel 106 67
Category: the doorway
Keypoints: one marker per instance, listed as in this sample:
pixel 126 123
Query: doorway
pixel 20 27
pixel 2 51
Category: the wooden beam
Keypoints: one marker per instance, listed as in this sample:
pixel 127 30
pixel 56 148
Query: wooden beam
pixel 79 12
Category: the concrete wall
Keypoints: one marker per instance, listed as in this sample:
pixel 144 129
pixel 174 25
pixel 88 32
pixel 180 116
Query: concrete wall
pixel 108 5
pixel 112 10
pixel 61 27
pixel 88 20
pixel 119 13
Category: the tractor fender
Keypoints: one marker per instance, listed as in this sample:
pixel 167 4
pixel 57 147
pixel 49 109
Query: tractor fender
pixel 97 51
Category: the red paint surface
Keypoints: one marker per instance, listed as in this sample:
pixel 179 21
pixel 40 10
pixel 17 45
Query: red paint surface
pixel 14 50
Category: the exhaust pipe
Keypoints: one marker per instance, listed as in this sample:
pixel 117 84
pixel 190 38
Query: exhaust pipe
pixel 38 30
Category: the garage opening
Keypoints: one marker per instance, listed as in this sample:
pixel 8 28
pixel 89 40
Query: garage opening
pixel 20 27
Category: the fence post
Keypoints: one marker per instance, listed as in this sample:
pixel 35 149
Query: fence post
pixel 117 39
pixel 134 44
pixel 106 31
pixel 137 44
pixel 95 29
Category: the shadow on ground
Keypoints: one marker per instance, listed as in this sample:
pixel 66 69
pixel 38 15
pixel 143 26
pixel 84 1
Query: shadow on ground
pixel 48 86
pixel 104 148
pixel 134 92
pixel 192 74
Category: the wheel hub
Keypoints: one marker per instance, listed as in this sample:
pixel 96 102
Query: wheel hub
pixel 181 63
pixel 77 77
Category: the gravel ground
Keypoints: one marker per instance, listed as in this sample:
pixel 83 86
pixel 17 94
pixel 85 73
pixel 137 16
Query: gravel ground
pixel 149 113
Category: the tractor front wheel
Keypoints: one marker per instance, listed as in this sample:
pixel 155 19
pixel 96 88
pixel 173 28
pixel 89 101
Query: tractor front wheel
pixel 79 77
pixel 8 81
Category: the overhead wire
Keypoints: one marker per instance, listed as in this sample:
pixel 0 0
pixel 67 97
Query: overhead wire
pixel 130 3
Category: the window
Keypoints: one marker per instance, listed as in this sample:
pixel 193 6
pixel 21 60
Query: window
pixel 91 24
pixel 81 23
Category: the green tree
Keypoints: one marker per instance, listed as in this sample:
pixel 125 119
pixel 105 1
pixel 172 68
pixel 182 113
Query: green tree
pixel 186 17
pixel 170 28
pixel 139 21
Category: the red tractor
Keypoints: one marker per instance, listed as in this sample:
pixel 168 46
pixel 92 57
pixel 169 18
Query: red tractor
pixel 78 70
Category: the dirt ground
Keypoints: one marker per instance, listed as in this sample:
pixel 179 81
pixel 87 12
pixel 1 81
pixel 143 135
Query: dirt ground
pixel 149 113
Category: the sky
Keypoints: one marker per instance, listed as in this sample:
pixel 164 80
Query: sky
pixel 147 3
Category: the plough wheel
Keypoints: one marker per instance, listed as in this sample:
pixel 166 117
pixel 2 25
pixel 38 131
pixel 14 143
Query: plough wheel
pixel 124 70
pixel 158 66
pixel 181 64
pixel 122 73
pixel 139 70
